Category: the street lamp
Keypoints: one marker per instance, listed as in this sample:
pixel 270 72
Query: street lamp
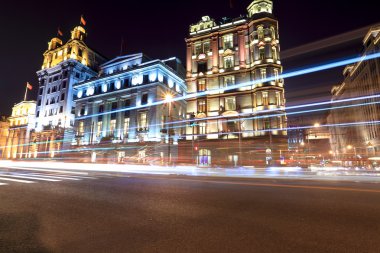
pixel 168 100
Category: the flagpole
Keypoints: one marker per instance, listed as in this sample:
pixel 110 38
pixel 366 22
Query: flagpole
pixel 26 92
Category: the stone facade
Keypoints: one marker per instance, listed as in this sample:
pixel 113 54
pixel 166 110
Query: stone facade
pixel 233 70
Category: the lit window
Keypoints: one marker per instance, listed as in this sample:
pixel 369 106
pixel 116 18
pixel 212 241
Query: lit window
pixel 99 127
pixel 201 106
pixel 230 104
pixel 263 73
pixel 126 127
pixel 112 127
pixel 202 127
pixel 81 128
pixel 228 62
pixel 198 49
pixel 142 120
pixel 202 85
pixel 275 71
pixel 229 81
pixel 274 54
pixel 228 41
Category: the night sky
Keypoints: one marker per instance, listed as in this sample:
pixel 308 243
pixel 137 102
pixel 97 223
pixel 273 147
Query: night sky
pixel 158 29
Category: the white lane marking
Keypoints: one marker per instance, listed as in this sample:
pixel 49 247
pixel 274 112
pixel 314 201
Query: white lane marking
pixel 17 180
pixel 3 184
pixel 34 178
pixel 46 170
pixel 54 177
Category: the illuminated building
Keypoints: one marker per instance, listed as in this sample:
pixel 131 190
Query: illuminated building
pixel 4 132
pixel 63 66
pixel 21 123
pixel 357 143
pixel 220 55
pixel 122 108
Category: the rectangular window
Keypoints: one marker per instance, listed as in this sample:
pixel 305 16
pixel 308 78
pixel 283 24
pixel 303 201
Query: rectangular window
pixel 201 106
pixel 142 120
pixel 126 127
pixel 202 67
pixel 41 91
pixel 202 127
pixel 63 96
pixel 262 53
pixel 230 103
pixel 144 99
pixel 99 127
pixel 80 128
pixel 61 109
pixel 64 84
pixel 265 98
pixel 228 41
pixel 229 62
pixel 198 49
pixel 263 73
pixel 206 47
pixel 275 71
pixel 202 85
pixel 229 81
pixel 112 127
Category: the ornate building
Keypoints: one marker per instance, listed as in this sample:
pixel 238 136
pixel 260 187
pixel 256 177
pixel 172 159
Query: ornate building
pixel 122 113
pixel 359 142
pixel 63 66
pixel 21 123
pixel 237 110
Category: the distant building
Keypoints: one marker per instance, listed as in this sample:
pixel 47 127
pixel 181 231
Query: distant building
pixel 4 132
pixel 235 125
pixel 122 114
pixel 362 141
pixel 21 123
pixel 64 65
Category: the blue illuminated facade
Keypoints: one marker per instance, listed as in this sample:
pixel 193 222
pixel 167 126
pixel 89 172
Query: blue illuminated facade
pixel 124 106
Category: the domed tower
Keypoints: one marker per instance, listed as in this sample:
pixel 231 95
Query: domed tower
pixel 259 6
pixel 55 43
pixel 65 63
pixel 78 33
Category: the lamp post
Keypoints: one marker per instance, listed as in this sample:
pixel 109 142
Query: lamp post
pixel 168 100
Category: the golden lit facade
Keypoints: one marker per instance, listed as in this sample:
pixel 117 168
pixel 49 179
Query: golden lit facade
pixel 360 79
pixel 221 59
pixel 4 132
pixel 20 125
pixel 63 66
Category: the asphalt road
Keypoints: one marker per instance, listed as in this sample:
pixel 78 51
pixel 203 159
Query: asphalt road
pixel 145 213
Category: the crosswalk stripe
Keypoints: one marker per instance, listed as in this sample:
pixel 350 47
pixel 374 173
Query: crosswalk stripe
pixel 56 171
pixel 17 180
pixel 35 178
pixel 54 177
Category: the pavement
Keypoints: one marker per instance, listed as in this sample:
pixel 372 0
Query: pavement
pixel 52 209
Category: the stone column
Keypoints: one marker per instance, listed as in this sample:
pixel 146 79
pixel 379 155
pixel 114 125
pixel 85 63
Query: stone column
pixel 241 41
pixel 215 54
pixel 189 64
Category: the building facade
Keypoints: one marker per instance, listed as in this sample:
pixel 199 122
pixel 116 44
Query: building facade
pixel 122 114
pixel 4 133
pixel 64 65
pixel 21 124
pixel 359 142
pixel 238 106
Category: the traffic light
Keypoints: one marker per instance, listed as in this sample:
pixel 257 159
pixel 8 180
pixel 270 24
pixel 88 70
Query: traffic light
pixel 192 120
